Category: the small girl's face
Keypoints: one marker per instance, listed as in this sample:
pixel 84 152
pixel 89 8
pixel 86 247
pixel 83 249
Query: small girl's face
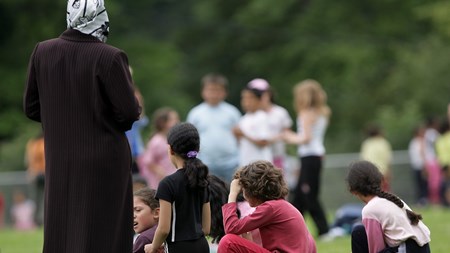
pixel 249 101
pixel 172 120
pixel 144 216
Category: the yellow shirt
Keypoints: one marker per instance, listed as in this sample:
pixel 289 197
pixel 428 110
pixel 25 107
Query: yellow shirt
pixel 378 151
pixel 443 149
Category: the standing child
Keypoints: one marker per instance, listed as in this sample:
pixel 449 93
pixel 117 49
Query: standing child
pixel 215 118
pixel 443 155
pixel 155 160
pixel 35 162
pixel 432 165
pixel 281 225
pixel 416 153
pixel 185 214
pixel 313 114
pixel 146 215
pixel 22 212
pixel 278 119
pixel 389 223
pixel 377 149
pixel 134 135
pixel 253 130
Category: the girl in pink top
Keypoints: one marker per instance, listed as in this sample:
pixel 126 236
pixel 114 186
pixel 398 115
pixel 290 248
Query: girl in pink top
pixel 389 225
pixel 281 225
pixel 155 160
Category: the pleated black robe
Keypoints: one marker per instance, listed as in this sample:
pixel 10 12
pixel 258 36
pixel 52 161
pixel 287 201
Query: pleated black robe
pixel 80 89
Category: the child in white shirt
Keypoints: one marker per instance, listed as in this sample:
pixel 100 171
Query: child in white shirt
pixel 253 129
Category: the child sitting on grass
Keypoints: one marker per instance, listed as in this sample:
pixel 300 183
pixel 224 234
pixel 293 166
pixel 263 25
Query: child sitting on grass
pixel 146 216
pixel 281 225
pixel 389 224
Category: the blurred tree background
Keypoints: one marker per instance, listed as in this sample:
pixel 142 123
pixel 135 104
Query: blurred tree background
pixel 380 61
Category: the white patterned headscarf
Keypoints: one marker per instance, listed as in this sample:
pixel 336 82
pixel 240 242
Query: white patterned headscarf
pixel 89 17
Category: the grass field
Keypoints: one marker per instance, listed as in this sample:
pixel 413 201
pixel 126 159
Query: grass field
pixel 437 219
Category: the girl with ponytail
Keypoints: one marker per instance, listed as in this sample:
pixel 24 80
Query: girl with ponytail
pixel 389 225
pixel 185 212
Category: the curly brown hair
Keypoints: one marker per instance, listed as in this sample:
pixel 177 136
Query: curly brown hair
pixel 262 180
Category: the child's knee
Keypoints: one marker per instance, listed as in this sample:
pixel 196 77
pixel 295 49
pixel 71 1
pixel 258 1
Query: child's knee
pixel 226 243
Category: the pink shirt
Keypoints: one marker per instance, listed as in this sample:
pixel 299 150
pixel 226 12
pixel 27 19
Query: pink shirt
pixel 387 224
pixel 280 224
pixel 245 209
pixel 156 154
pixel 22 213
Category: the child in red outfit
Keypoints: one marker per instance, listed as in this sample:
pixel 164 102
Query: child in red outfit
pixel 281 225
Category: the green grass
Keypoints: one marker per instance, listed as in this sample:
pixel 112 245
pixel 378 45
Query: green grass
pixel 12 241
pixel 437 219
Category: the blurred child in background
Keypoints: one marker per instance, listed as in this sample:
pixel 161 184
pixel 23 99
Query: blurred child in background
pixel 22 212
pixel 432 165
pixel 35 162
pixel 155 160
pixel 313 115
pixel 416 153
pixel 377 149
pixel 278 118
pixel 215 118
pixel 253 130
pixel 443 155
pixel 134 135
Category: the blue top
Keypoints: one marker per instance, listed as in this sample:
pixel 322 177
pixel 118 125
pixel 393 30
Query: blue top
pixel 218 146
pixel 135 138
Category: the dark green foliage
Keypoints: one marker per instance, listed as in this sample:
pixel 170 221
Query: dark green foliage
pixel 380 61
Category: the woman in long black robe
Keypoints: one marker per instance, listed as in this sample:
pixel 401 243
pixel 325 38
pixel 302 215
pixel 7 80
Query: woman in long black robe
pixel 81 90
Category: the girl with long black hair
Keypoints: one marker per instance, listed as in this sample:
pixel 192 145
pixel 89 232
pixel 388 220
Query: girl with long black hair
pixel 185 212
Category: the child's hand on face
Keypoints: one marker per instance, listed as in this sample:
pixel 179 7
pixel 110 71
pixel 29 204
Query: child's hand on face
pixel 235 187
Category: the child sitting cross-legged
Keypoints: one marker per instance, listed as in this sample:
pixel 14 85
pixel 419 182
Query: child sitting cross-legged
pixel 146 216
pixel 281 225
pixel 389 224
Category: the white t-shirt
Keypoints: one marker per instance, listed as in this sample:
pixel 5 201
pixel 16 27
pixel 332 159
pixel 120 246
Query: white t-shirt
pixel 256 126
pixel 430 136
pixel 415 154
pixel 278 119
pixel 315 147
